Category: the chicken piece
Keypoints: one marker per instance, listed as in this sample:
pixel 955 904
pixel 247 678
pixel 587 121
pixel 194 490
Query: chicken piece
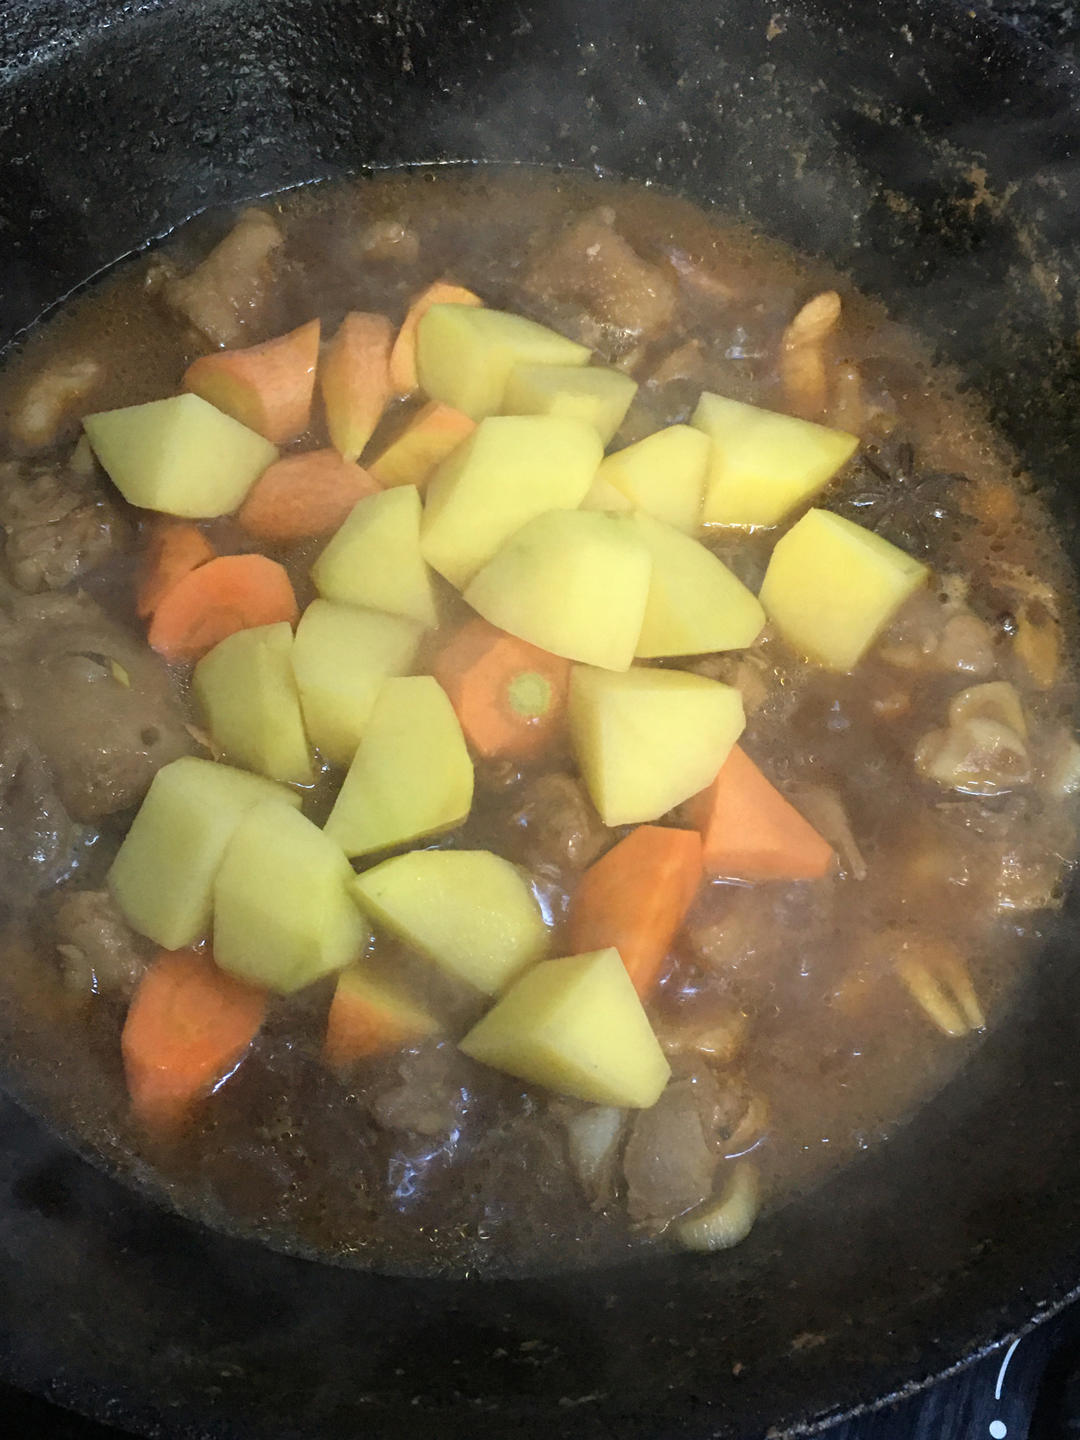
pixel 99 952
pixel 729 942
pixel 685 362
pixel 669 1162
pixel 674 1149
pixel 430 1096
pixel 736 929
pixel 1030 878
pixel 562 830
pixel 593 266
pixel 802 361
pixel 702 280
pixel 1010 850
pixel 38 840
pixel 751 675
pixel 106 728
pixel 936 857
pixel 628 361
pixel 497 776
pixel 996 701
pixel 99 705
pixel 59 525
pixel 223 297
pixel 717 1039
pixel 386 241
pixel 979 756
pixel 748 1133
pixel 966 644
pixel 931 635
pixel 725 1103
pixel 51 400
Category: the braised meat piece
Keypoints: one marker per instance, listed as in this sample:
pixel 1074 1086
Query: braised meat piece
pixel 99 705
pixel 98 950
pixel 59 525
pixel 224 296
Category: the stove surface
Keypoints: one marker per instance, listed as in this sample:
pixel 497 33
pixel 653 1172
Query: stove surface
pixel 1027 1391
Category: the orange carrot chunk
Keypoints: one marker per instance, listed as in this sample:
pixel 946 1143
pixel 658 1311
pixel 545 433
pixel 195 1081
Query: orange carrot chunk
pixel 430 436
pixel 403 377
pixel 174 548
pixel 750 832
pixel 635 897
pixel 187 1028
pixel 509 696
pixel 368 1018
pixel 301 496
pixel 266 387
pixel 354 380
pixel 233 592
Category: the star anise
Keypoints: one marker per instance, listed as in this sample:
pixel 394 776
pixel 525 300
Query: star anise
pixel 891 494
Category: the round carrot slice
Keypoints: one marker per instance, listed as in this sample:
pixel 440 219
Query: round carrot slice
pixel 187 1028
pixel 233 592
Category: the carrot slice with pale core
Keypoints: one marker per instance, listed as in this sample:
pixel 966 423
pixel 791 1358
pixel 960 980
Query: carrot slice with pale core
pixel 509 696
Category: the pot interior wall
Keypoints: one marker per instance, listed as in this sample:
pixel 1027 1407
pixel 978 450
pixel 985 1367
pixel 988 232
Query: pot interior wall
pixel 929 154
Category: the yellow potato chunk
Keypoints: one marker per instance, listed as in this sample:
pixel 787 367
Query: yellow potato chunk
pixel 283 915
pixel 411 774
pixel 664 475
pixel 575 1026
pixel 602 495
pixel 647 740
pixel 464 354
pixel 469 911
pixel 341 655
pixel 375 559
pixel 181 456
pixel 695 605
pixel 592 393
pixel 832 586
pixel 163 875
pixel 512 468
pixel 763 465
pixel 247 692
pixel 573 582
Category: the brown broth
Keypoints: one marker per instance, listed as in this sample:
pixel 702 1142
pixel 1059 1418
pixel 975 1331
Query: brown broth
pixel 837 1054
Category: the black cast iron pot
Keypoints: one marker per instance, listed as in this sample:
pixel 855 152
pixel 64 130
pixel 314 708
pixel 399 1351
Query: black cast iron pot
pixel 932 153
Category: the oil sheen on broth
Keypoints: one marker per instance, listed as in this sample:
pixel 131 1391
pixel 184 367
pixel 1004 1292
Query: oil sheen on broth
pixel 803 1021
